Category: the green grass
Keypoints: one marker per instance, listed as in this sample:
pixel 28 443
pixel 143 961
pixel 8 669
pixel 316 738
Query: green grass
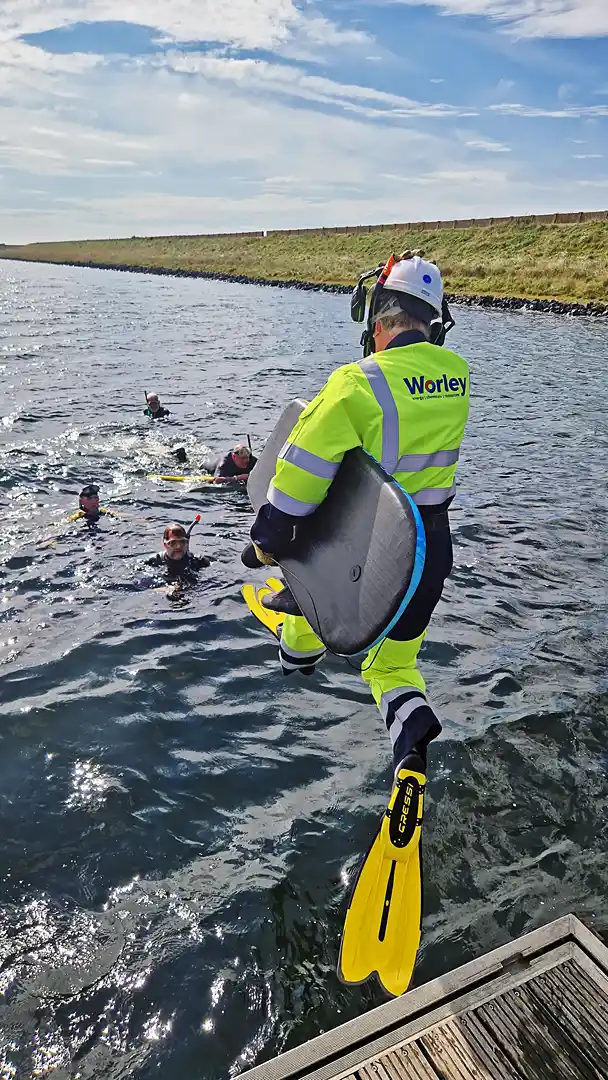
pixel 565 262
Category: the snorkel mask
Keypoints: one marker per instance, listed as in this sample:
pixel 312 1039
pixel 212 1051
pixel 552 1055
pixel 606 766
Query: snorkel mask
pixel 439 326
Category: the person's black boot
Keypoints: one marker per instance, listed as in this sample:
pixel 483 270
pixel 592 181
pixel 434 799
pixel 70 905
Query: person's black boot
pixel 282 601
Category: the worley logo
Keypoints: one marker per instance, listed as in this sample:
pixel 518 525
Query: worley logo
pixel 419 386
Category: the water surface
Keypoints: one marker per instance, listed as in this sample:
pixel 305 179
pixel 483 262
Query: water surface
pixel 179 821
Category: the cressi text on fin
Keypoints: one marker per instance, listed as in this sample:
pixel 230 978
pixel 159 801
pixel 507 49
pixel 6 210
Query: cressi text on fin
pixel 382 927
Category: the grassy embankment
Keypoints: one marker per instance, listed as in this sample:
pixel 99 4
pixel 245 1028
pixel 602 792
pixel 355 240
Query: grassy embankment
pixel 564 262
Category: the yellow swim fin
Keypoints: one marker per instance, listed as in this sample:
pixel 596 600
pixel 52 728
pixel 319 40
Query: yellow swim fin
pixel 272 620
pixel 206 479
pixel 382 927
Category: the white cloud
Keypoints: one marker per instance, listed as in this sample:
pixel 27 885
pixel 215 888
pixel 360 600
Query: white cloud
pixel 42 142
pixel 114 163
pixel 446 193
pixel 16 54
pixel 567 113
pixel 245 24
pixel 323 32
pixel 188 141
pixel 261 24
pixel 394 199
pixel 565 91
pixel 193 127
pixel 264 77
pixel 489 179
pixel 489 145
pixel 533 18
pixel 459 179
pixel 240 162
pixel 27 72
pixel 585 157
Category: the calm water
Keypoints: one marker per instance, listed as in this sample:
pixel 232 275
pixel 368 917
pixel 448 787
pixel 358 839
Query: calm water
pixel 178 821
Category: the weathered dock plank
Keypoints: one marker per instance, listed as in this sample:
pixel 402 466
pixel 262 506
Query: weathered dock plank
pixel 535 1009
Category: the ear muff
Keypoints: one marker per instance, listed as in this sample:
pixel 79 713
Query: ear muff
pixel 367 337
pixel 367 342
pixel 441 326
pixel 358 302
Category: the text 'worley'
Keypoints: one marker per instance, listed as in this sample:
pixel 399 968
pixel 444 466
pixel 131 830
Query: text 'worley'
pixel 418 385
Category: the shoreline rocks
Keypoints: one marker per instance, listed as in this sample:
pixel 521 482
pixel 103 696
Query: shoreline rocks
pixel 499 303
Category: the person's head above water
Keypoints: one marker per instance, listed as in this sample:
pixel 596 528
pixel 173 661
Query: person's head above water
pixel 407 295
pixel 175 541
pixel 241 455
pixel 153 401
pixel 89 500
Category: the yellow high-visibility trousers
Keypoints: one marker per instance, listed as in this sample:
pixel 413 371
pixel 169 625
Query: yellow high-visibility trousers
pixel 391 672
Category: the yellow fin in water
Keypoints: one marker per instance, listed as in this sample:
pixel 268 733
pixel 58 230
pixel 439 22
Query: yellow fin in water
pixel 206 479
pixel 272 620
pixel 382 927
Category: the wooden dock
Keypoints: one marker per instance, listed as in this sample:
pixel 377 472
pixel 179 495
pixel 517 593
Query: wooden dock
pixel 535 1009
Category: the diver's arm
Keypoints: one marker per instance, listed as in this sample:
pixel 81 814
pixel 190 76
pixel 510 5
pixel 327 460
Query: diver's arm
pixel 222 474
pixel 309 461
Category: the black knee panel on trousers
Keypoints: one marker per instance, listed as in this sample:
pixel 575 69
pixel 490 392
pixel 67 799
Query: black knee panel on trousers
pixel 437 567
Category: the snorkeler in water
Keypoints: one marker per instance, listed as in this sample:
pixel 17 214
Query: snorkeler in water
pixel 89 512
pixel 88 506
pixel 235 465
pixel 180 566
pixel 154 410
pixel 176 558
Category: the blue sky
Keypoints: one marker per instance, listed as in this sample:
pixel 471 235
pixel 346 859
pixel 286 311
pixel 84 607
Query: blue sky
pixel 121 117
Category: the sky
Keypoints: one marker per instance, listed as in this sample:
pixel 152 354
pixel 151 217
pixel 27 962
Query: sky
pixel 149 117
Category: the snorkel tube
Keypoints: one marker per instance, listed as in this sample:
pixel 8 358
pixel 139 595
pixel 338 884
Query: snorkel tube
pixel 190 527
pixel 439 327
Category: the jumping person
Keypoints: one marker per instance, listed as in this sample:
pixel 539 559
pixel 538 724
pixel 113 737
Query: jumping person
pixel 388 404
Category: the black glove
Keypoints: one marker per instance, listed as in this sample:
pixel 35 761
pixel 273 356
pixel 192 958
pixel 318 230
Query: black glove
pixel 253 557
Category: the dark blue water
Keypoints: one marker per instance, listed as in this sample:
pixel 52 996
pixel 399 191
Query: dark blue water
pixel 178 821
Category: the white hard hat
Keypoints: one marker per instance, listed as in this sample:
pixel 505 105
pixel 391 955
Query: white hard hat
pixel 419 278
